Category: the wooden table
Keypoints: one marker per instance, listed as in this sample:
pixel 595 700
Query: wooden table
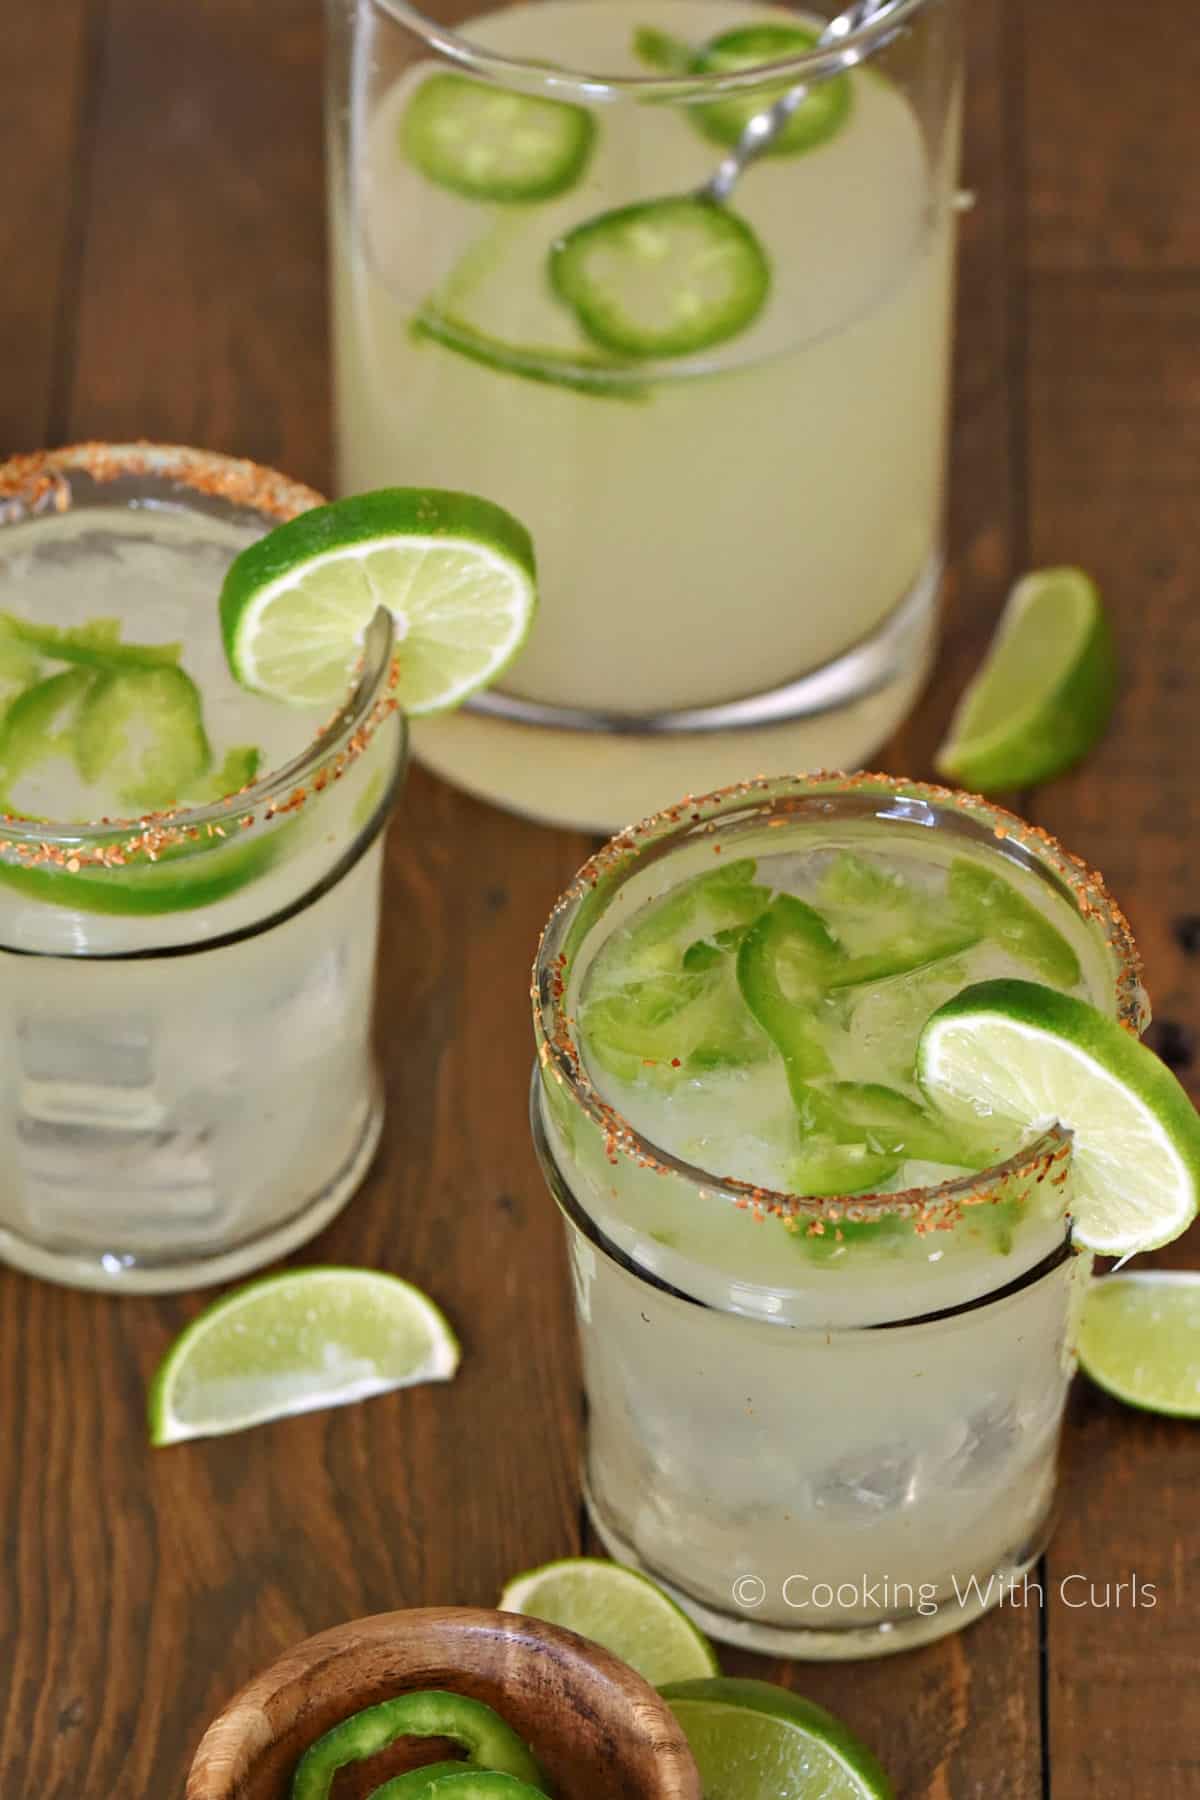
pixel 161 243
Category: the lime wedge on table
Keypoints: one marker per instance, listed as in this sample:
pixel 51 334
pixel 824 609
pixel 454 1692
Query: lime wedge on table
pixel 1045 692
pixel 618 1609
pixel 294 1342
pixel 456 572
pixel 754 1741
pixel 1140 1339
pixel 1027 1053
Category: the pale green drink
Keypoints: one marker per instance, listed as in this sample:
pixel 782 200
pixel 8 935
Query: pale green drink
pixel 850 1399
pixel 189 880
pixel 708 525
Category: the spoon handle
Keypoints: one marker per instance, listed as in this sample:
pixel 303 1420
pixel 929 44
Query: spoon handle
pixel 761 131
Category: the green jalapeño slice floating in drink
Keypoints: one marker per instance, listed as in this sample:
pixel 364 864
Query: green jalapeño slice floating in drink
pixel 746 47
pixel 793 989
pixel 662 278
pixel 492 145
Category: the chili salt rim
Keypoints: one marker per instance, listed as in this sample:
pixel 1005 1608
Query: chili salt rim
pixel 38 485
pixel 933 1208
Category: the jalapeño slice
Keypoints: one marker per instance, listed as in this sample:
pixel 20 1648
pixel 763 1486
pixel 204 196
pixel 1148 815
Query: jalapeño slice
pixel 662 278
pixel 820 114
pixel 490 144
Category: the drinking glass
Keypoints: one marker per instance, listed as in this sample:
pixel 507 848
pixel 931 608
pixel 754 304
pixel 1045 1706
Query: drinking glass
pixel 828 1427
pixel 187 1088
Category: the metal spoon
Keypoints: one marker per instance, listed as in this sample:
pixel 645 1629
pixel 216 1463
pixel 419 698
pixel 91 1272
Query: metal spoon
pixel 762 130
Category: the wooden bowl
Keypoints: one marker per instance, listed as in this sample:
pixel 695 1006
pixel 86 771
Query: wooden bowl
pixel 599 1731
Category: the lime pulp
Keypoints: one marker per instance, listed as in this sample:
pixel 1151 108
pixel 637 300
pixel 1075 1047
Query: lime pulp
pixel 1045 692
pixel 620 1610
pixel 1024 1052
pixel 755 1741
pixel 456 572
pixel 292 1342
pixel 1140 1339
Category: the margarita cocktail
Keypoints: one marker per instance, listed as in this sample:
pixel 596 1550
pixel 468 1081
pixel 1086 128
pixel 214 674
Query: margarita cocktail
pixel 827 1329
pixel 724 426
pixel 189 878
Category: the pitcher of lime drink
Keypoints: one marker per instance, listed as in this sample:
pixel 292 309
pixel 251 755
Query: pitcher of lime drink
pixel 723 422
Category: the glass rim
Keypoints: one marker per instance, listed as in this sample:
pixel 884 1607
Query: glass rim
pixel 38 485
pixel 577 1218
pixel 696 818
pixel 832 59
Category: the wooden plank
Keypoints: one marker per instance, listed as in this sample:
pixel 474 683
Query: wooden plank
pixel 137 1589
pixel 1115 437
pixel 985 476
pixel 202 312
pixel 947 1718
pixel 141 1586
pixel 44 134
pixel 1111 136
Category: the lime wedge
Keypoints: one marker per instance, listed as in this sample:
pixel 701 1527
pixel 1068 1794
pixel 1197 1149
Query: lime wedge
pixel 1045 692
pixel 294 1342
pixel 456 572
pixel 754 1741
pixel 1023 1052
pixel 618 1609
pixel 1140 1339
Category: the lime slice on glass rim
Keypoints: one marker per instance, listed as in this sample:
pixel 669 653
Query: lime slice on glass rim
pixel 295 1342
pixel 662 278
pixel 491 144
pixel 755 1741
pixel 1140 1339
pixel 1030 1054
pixel 456 572
pixel 1045 692
pixel 622 1611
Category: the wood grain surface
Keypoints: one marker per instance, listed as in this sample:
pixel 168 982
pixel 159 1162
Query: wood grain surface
pixel 162 241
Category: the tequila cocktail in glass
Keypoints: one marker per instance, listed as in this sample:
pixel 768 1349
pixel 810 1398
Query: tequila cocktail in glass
pixel 827 1338
pixel 739 543
pixel 189 880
